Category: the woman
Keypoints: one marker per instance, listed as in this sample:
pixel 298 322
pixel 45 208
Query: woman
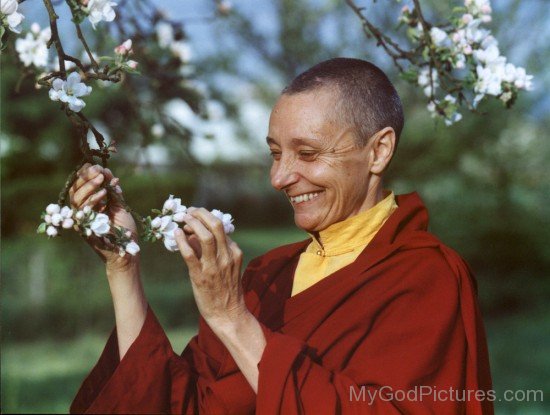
pixel 371 315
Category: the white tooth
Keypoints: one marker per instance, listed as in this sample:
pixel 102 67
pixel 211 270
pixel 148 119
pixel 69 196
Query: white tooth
pixel 309 196
pixel 300 199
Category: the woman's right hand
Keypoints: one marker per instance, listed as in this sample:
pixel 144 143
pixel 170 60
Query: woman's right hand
pixel 87 190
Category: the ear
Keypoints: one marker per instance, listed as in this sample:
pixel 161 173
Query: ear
pixel 382 149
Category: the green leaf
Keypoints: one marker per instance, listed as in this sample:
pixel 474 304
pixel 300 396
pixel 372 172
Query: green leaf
pixel 41 228
pixel 410 75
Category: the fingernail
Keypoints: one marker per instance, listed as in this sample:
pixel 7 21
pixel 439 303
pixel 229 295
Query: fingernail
pixel 108 170
pixel 178 232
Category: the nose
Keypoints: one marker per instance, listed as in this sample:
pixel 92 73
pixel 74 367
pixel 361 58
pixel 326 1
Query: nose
pixel 283 173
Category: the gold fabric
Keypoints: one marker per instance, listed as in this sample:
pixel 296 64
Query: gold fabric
pixel 340 244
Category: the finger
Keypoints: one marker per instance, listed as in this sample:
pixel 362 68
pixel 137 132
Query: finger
pixel 206 238
pixel 214 225
pixel 84 177
pixel 97 200
pixel 86 174
pixel 186 251
pixel 79 173
pixel 87 190
pixel 236 253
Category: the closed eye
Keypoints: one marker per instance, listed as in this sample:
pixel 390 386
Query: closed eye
pixel 275 155
pixel 307 155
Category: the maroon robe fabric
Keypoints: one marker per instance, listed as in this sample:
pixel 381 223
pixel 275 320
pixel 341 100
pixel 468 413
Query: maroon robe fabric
pixel 402 318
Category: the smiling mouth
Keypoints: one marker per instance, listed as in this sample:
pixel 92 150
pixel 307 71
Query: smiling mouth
pixel 305 197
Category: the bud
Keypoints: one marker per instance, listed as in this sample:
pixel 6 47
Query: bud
pixel 53 208
pixel 124 48
pixel 132 64
pixel 67 223
pixel 225 7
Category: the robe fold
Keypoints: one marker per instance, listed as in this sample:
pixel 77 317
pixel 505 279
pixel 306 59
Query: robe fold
pixel 397 331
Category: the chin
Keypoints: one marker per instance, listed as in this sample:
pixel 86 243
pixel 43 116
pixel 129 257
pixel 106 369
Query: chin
pixel 307 225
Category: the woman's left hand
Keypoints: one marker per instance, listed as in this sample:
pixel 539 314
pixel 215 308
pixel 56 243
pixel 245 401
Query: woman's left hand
pixel 214 262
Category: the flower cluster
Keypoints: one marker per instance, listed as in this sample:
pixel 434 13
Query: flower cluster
pixel 33 48
pixel 163 226
pixel 10 16
pixel 471 53
pixel 99 10
pixel 70 91
pixel 87 222
pixel 122 52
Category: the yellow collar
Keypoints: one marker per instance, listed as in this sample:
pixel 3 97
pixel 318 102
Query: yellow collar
pixel 357 231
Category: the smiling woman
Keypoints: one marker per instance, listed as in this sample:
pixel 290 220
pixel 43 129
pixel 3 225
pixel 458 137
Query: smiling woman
pixel 371 302
pixel 327 173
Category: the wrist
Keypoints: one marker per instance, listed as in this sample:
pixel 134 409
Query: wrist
pixel 231 324
pixel 122 266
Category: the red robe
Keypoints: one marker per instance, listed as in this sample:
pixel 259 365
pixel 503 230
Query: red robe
pixel 402 318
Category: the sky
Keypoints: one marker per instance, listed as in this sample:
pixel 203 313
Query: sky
pixel 522 32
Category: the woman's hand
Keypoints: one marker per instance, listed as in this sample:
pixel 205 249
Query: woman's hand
pixel 214 263
pixel 87 191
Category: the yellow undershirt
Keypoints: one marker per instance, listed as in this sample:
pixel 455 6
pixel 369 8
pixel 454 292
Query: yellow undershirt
pixel 340 244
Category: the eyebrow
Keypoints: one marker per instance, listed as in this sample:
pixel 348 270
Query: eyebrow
pixel 295 141
pixel 270 140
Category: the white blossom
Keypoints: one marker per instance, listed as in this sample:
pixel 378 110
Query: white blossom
pixel 172 206
pixel 170 244
pixel 99 10
pixel 70 91
pixel 489 80
pixel 124 48
pixel 51 231
pixel 226 220
pixel 155 223
pixel 424 81
pixel 522 80
pixel 8 8
pixel 167 226
pixel 439 37
pixel 33 49
pixel 132 64
pixel 67 223
pixel 132 248
pixel 100 224
pixel 157 130
pixel 66 212
pixel 56 219
pixel 53 208
pixel 181 50
pixel 455 117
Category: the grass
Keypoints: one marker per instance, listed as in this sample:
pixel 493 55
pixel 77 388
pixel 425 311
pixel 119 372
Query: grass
pixel 44 376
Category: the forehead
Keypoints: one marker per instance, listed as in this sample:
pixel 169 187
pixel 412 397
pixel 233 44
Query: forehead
pixel 307 115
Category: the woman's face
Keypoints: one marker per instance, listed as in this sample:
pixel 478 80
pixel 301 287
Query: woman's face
pixel 317 161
